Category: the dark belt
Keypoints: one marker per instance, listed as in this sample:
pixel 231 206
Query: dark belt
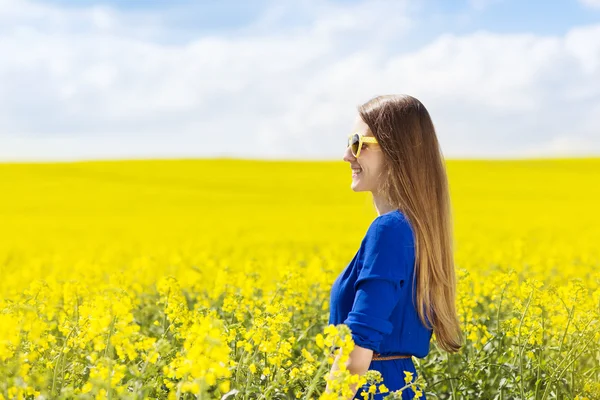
pixel 379 357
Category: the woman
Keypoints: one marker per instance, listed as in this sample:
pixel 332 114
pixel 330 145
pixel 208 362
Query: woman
pixel 400 286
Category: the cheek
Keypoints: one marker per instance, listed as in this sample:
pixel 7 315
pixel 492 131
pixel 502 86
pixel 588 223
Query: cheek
pixel 376 172
pixel 374 167
pixel 371 163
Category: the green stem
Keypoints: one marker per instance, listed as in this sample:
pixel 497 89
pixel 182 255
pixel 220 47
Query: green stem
pixel 567 357
pixel 317 376
pixel 60 358
pixel 539 369
pixel 522 347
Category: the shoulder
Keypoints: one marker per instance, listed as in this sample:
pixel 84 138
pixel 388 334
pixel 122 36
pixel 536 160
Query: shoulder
pixel 393 225
pixel 388 247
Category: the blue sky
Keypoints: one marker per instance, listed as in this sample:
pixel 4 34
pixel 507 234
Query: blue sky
pixel 142 79
pixel 502 16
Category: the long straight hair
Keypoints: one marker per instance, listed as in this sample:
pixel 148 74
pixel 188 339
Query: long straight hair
pixel 414 180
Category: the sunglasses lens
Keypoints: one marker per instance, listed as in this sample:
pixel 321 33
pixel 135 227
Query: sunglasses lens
pixel 354 144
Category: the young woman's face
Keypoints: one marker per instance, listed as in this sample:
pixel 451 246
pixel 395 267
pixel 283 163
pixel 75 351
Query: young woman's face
pixel 369 161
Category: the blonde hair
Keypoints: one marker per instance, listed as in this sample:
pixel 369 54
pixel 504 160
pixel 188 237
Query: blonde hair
pixel 414 180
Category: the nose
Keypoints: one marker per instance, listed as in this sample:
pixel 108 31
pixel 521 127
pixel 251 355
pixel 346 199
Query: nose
pixel 348 155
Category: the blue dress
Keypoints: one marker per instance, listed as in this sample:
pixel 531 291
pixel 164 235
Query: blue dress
pixel 373 296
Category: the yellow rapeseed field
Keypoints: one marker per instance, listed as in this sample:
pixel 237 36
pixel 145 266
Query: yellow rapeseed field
pixel 211 278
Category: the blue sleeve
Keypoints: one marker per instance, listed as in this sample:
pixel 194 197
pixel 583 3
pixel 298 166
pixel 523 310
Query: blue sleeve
pixel 378 286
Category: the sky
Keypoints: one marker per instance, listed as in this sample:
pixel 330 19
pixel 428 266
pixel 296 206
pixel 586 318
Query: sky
pixel 282 79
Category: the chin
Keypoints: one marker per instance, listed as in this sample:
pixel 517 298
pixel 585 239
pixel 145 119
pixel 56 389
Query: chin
pixel 357 187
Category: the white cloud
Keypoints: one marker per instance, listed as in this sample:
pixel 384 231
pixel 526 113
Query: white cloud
pixel 591 3
pixel 96 82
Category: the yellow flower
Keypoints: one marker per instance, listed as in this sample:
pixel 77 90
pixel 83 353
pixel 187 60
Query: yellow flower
pixel 225 386
pixel 115 305
pixel 294 373
pixel 320 340
pixel 190 387
pixel 331 330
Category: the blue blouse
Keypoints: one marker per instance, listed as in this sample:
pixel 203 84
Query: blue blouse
pixel 374 297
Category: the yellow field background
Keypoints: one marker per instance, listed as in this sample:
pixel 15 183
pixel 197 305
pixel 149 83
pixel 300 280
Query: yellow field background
pixel 197 278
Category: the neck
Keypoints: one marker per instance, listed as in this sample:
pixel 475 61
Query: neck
pixel 381 205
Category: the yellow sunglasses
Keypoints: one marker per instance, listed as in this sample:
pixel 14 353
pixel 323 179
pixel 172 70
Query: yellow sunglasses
pixel 355 142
